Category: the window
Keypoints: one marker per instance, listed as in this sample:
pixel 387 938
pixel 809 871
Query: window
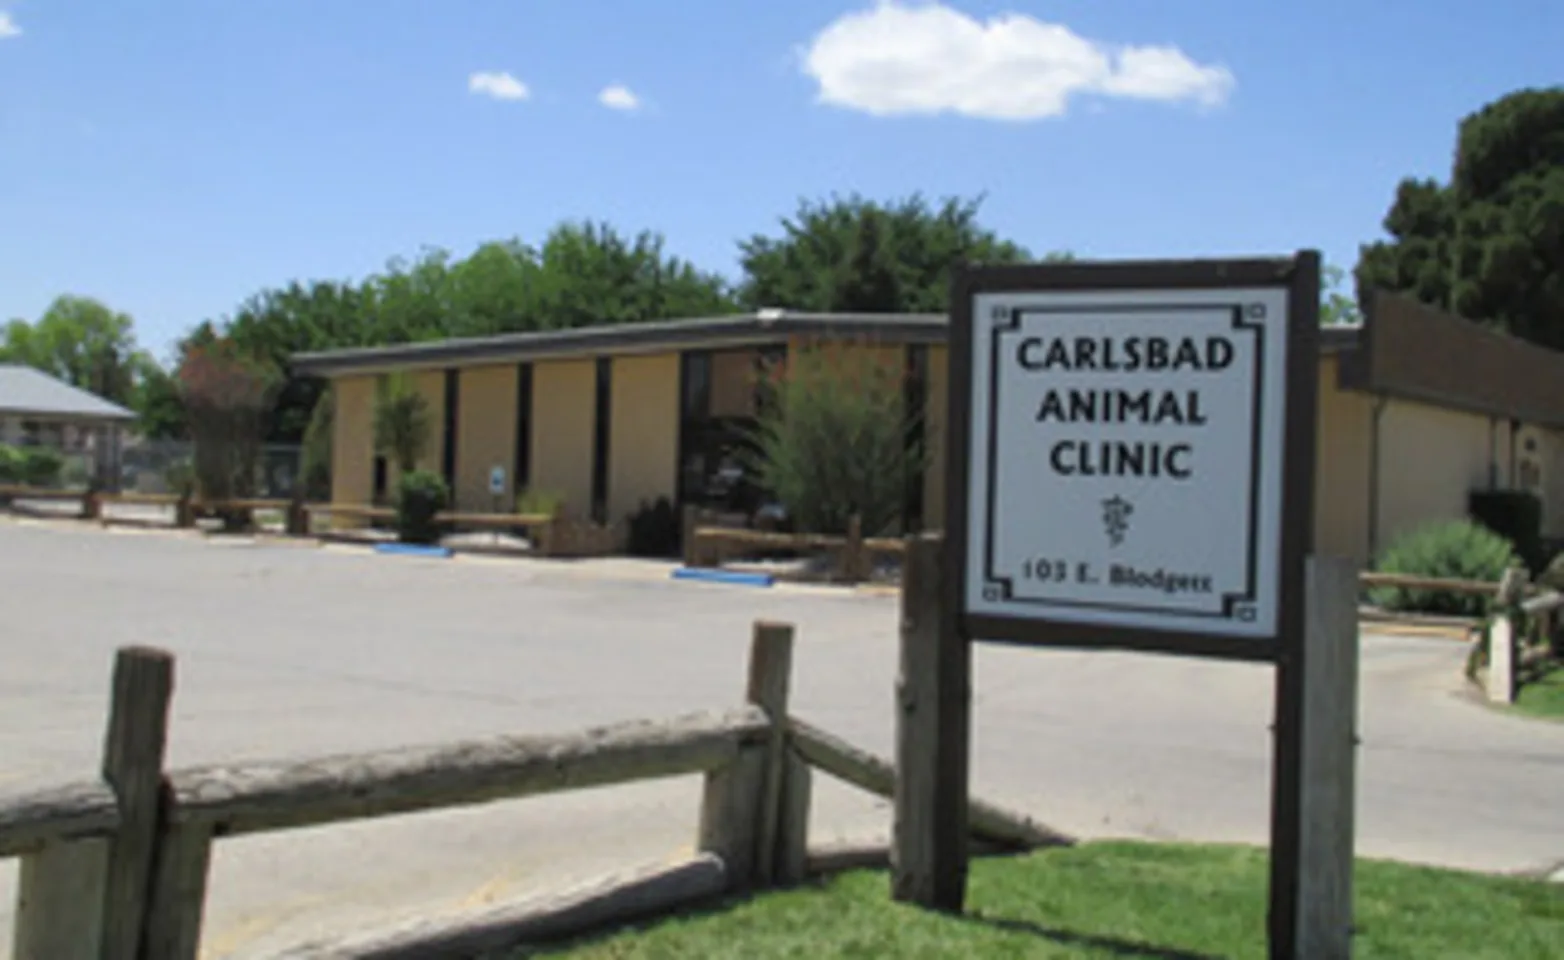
pixel 605 379
pixel 719 393
pixel 448 452
pixel 521 468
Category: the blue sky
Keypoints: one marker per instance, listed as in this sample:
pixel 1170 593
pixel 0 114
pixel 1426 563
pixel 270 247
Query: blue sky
pixel 172 157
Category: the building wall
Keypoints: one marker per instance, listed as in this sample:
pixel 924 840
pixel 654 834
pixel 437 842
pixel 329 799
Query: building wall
pixel 1549 457
pixel 1430 459
pixel 1343 472
pixel 564 403
pixel 485 436
pixel 353 439
pixel 935 421
pixel 643 436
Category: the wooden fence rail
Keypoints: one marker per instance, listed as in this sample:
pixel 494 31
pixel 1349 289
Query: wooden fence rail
pixel 711 545
pixel 255 798
pixel 118 868
pixel 1371 579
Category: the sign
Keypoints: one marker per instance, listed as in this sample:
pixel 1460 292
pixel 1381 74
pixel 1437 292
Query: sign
pixel 1138 452
pixel 497 481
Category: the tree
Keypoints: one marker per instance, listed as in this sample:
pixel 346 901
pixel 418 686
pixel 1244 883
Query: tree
pixel 853 254
pixel 227 395
pixel 831 439
pixel 315 469
pixel 88 345
pixel 584 273
pixel 81 341
pixel 1337 309
pixel 403 424
pixel 1489 245
pixel 158 402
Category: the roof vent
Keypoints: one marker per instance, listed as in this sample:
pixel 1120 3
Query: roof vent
pixel 768 314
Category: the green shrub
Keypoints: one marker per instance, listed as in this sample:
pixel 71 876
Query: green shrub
pixel 832 439
pixel 1455 550
pixel 420 494
pixel 1515 515
pixel 545 502
pixel 655 530
pixel 10 464
pixel 41 467
pixel 403 422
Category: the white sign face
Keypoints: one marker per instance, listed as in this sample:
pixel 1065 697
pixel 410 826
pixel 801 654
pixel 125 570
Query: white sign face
pixel 1126 458
pixel 497 481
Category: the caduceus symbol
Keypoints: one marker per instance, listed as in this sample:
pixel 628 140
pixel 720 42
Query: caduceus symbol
pixel 1116 518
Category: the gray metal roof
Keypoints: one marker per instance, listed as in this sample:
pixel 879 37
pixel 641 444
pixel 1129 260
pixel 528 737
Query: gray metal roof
pixel 28 391
pixel 737 330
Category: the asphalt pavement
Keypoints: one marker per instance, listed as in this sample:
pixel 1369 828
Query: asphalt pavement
pixel 288 650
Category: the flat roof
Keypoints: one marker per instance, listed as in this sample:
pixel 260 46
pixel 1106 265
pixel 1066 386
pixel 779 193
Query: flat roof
pixel 31 392
pixel 698 333
pixel 1404 350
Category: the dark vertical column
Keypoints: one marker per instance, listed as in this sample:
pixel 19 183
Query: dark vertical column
pixel 521 466
pixel 448 450
pixel 600 434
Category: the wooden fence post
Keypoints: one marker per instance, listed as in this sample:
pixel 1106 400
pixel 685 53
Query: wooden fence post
pixel 178 893
pixel 59 902
pixel 133 751
pixel 852 561
pixel 1328 757
pixel 792 864
pixel 933 704
pixel 297 523
pixel 742 801
pixel 770 673
pixel 89 898
pixel 730 807
pixel 1501 659
pixel 687 542
pixel 1503 637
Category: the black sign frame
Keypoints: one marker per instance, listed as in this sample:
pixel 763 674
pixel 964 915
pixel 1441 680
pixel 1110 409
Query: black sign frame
pixel 1300 277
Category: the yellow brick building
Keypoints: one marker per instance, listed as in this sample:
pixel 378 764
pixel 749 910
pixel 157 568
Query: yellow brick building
pixel 1416 410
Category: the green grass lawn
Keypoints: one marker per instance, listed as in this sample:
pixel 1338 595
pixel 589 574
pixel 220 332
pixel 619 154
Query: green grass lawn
pixel 1543 696
pixel 1119 900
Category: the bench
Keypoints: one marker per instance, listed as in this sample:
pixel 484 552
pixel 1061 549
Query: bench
pixel 495 521
pixel 361 511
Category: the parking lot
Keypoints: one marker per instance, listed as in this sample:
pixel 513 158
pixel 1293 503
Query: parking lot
pixel 288 649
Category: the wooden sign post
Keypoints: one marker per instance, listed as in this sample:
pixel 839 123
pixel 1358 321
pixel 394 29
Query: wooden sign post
pixel 1131 466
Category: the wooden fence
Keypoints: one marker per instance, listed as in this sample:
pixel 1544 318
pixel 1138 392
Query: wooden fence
pixel 551 535
pixel 117 868
pixel 709 544
pixel 1518 605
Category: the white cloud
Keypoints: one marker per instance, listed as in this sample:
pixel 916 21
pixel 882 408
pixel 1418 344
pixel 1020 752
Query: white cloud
pixel 619 97
pixel 497 84
pixel 898 58
pixel 8 27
